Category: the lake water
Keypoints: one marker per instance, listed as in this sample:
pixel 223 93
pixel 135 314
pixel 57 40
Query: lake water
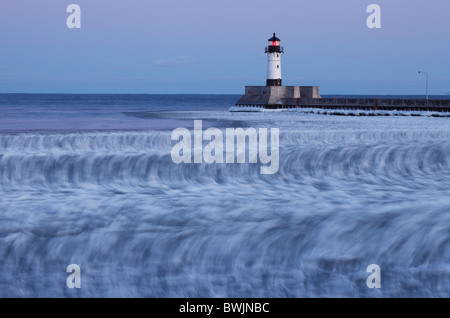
pixel 89 180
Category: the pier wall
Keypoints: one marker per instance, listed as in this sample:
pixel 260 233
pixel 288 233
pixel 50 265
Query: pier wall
pixel 439 105
pixel 282 97
pixel 275 95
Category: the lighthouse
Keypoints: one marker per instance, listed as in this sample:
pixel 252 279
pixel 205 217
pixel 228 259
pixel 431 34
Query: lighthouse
pixel 274 51
pixel 274 95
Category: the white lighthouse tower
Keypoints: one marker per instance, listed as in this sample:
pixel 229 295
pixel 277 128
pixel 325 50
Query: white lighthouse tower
pixel 274 95
pixel 274 51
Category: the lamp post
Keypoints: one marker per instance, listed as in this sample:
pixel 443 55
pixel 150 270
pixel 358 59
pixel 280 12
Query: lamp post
pixel 420 72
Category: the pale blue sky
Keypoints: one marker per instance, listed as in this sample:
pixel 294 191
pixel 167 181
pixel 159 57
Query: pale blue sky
pixel 210 46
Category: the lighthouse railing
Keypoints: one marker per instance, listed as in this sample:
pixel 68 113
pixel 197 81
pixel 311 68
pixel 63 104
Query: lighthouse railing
pixel 281 49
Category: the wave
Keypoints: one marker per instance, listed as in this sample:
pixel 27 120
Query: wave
pixel 141 226
pixel 342 112
pixel 139 158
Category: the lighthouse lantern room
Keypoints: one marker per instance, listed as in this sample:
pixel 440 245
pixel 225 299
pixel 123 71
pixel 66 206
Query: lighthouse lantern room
pixel 274 51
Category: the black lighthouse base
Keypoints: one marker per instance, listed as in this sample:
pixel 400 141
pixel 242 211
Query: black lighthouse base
pixel 273 82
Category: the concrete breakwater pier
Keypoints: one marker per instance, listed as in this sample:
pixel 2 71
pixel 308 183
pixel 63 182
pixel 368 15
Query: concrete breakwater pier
pixel 382 104
pixel 277 97
pixel 287 97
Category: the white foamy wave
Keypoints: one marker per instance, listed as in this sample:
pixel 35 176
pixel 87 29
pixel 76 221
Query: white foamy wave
pixel 141 226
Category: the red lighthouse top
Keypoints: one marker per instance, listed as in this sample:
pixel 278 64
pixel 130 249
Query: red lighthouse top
pixel 274 41
pixel 274 45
